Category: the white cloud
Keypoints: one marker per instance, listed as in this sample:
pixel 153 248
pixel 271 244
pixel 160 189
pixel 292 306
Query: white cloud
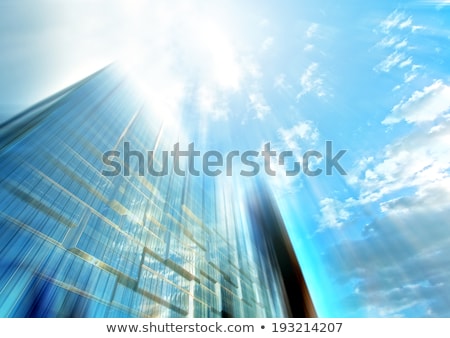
pixel 210 103
pixel 431 197
pixel 312 30
pixel 333 213
pixel 418 161
pixel 401 44
pixel 405 24
pixel 412 74
pixel 426 105
pixel 388 41
pixel 415 28
pixel 309 47
pixel 252 68
pixel 390 62
pixel 280 82
pixel 399 266
pixel 413 172
pixel 259 105
pixel 406 62
pixel 395 19
pixel 358 168
pixel 267 43
pixel 409 77
pixel 302 132
pixel 312 81
pixel 397 29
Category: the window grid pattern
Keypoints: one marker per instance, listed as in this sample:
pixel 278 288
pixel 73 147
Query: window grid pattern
pixel 75 243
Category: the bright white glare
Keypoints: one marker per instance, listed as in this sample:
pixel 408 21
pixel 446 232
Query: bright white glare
pixel 226 71
pixel 172 46
pixel 173 49
pixel 181 36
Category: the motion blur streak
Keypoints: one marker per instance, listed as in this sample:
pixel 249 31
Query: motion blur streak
pixel 75 243
pixel 275 247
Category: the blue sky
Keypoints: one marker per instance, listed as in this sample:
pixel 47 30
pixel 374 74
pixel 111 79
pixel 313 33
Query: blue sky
pixel 372 77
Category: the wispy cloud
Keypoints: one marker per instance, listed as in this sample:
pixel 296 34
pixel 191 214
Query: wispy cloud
pixel 438 3
pixel 312 81
pixel 333 212
pixel 390 62
pixel 395 20
pixel 267 43
pixel 399 31
pixel 405 24
pixel 296 138
pixel 259 105
pixel 252 69
pixel 280 82
pixel 413 161
pixel 304 132
pixel 406 62
pixel 416 28
pixel 412 73
pixel 425 105
pixel 417 162
pixel 308 47
pixel 401 44
pixel 312 30
pixel 388 41
pixel 211 103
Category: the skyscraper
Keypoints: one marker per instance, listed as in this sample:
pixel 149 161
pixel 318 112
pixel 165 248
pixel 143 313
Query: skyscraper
pixel 77 242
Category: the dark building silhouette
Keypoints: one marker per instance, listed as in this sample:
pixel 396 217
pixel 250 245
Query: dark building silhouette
pixel 277 251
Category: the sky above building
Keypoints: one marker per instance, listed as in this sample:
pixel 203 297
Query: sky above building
pixel 371 77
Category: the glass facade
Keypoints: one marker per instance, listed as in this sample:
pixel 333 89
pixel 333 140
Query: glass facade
pixel 77 243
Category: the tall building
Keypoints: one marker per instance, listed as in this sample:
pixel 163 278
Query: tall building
pixel 276 250
pixel 78 242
